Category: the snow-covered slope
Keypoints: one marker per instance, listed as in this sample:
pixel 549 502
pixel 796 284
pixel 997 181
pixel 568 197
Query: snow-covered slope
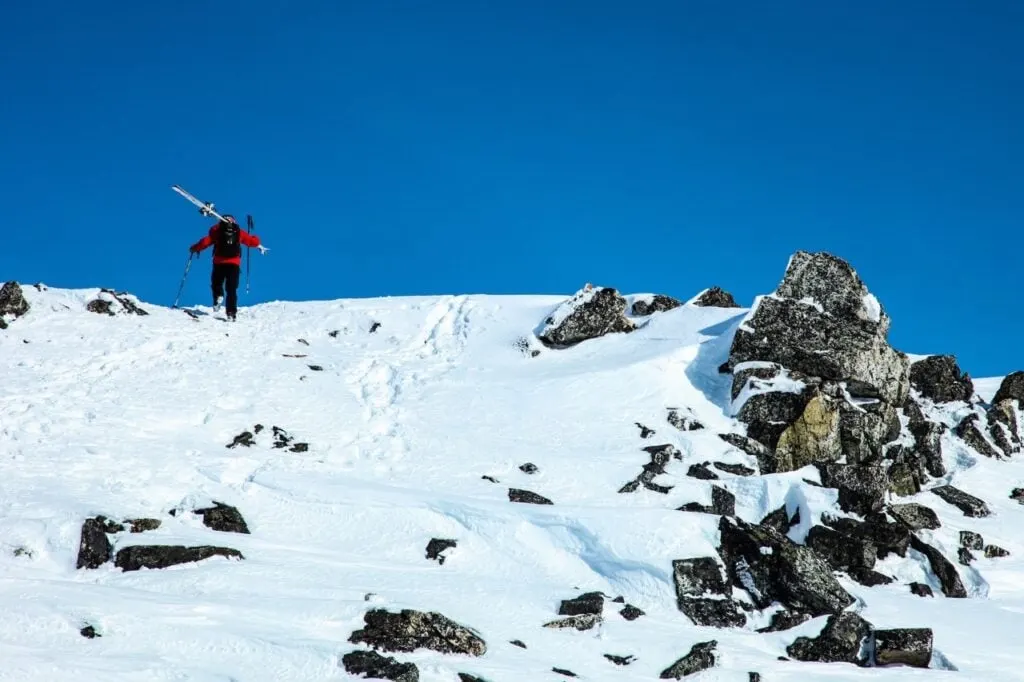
pixel 418 414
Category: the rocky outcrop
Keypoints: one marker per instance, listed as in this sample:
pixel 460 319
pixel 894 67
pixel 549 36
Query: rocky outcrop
pixel 785 620
pixel 844 639
pixel 915 516
pixel 971 540
pixel 112 302
pixel 812 438
pixel 702 472
pixel 757 450
pixel 842 552
pixel 702 593
pixel 660 455
pixel 95 548
pixel 1011 388
pixel 12 302
pixel 224 518
pixel 939 378
pixel 768 414
pixel 163 556
pixel 921 590
pixel 683 422
pixel 657 304
pixel 702 656
pixel 942 567
pixel 582 622
pixel 589 314
pixel 823 322
pixel 904 646
pixel 888 537
pixel 1004 426
pixel 436 548
pixel 734 469
pixel 630 612
pixel 865 429
pixel 715 297
pixel 968 504
pixel 372 665
pixel 861 488
pixel 410 630
pixel 587 603
pixel 970 431
pixel 772 568
pixel 723 503
pixel 526 497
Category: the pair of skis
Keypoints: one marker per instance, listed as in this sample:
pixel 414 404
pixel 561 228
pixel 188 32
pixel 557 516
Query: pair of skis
pixel 206 208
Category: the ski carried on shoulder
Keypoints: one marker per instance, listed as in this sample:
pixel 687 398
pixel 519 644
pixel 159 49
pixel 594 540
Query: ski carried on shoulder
pixel 205 207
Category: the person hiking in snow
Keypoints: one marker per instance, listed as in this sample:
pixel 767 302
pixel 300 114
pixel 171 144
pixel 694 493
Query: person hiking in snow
pixel 227 239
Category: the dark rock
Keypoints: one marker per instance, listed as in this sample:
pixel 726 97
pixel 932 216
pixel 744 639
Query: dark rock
pixel 968 504
pixel 843 340
pixel 316 368
pixel 683 422
pixel 812 439
pixel 620 660
pixel 698 577
pixel 299 447
pixel 907 471
pixel 1017 494
pixel 716 297
pixel 768 415
pixel 702 656
pixel 223 518
pixel 99 306
pixel 964 556
pixel 921 590
pixel 777 520
pixel 587 315
pixel 619 600
pixel 887 537
pixel 304 342
pixel 718 613
pixel 492 479
pixel 12 302
pixel 374 327
pixel 660 455
pixel 466 677
pixel 861 488
pixel 1011 388
pixel 526 497
pixel 905 646
pixel 630 612
pixel 915 516
pixel 970 431
pixel 436 546
pixel 843 640
pixel 282 438
pixel 105 306
pixel 754 677
pixel 528 468
pixel 763 455
pixel 759 375
pixel 723 503
pixel 734 469
pixel 871 578
pixel 928 444
pixel 1004 426
pixel 943 569
pixel 409 630
pixel 971 540
pixel 842 552
pixel 582 622
pixel 587 603
pixel 563 671
pixel 939 378
pixel 702 472
pixel 163 556
pixel 865 429
pixel 244 438
pixel 89 632
pixel 95 549
pixel 374 666
pixel 785 620
pixel 994 551
pixel 518 643
pixel 645 432
pixel 770 567
pixel 657 304
pixel 143 525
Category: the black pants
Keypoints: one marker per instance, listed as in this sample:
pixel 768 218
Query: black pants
pixel 226 273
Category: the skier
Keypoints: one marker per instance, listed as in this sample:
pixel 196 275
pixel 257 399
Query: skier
pixel 227 239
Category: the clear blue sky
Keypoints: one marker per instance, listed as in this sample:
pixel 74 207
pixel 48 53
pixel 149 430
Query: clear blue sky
pixel 526 146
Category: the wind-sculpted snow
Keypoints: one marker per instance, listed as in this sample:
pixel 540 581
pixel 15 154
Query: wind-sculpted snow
pixel 173 434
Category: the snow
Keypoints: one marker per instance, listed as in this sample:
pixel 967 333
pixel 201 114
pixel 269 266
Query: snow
pixel 129 417
pixel 872 308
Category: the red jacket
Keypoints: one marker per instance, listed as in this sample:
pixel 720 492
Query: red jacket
pixel 211 239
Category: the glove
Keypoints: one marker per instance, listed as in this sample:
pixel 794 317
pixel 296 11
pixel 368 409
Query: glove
pixel 194 248
pixel 206 210
pixel 263 249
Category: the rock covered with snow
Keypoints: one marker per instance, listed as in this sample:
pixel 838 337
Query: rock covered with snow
pixel 110 302
pixel 409 630
pixel 822 321
pixel 658 303
pixel 589 314
pixel 715 297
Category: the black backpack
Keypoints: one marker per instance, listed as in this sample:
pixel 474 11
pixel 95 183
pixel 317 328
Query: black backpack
pixel 229 243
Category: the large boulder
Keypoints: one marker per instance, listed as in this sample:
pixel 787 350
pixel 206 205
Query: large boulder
pixel 965 502
pixel 163 556
pixel 701 657
pixel 772 568
pixel 12 302
pixel 95 548
pixel 372 665
pixel 409 630
pixel 942 567
pixel 702 593
pixel 715 297
pixel 939 378
pixel 861 488
pixel 1012 388
pixel 904 646
pixel 844 639
pixel 589 314
pixel 823 322
pixel 812 438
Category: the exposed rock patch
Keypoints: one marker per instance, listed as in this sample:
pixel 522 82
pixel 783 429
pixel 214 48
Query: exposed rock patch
pixel 716 297
pixel 904 646
pixel 409 630
pixel 844 639
pixel 591 603
pixel 939 378
pixel 660 455
pixel 372 665
pixel 224 518
pixel 163 556
pixel 436 548
pixel 702 656
pixel 1011 388
pixel 582 622
pixel 915 516
pixel 970 431
pixel 658 304
pixel 591 313
pixel 942 567
pixel 112 302
pixel 968 504
pixel 526 497
pixel 12 302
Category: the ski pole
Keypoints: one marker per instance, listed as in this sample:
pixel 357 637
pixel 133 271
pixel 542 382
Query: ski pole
pixel 181 287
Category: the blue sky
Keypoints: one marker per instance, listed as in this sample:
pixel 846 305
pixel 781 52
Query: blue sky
pixel 411 147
